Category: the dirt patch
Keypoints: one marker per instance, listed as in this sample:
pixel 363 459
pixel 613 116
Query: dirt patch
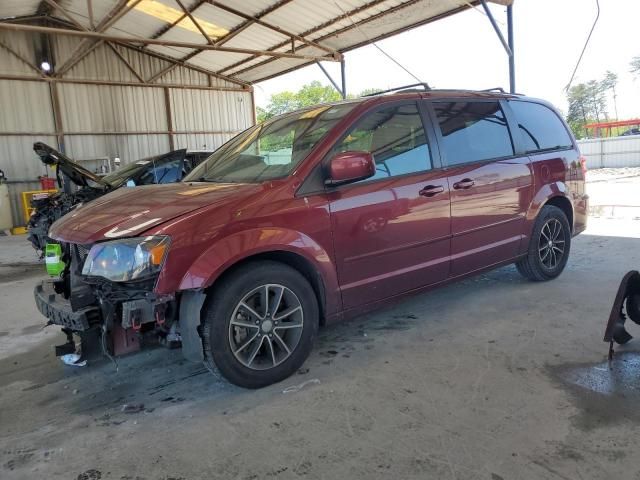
pixel 605 393
pixel 19 272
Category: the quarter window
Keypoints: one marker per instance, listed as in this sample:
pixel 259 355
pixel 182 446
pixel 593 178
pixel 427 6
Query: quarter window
pixel 473 131
pixel 395 137
pixel 540 127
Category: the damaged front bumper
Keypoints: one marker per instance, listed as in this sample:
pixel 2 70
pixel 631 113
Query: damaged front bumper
pixel 118 316
pixel 59 311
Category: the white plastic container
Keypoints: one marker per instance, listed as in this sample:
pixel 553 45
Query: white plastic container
pixel 5 208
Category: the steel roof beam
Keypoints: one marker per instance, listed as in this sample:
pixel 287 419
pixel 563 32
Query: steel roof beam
pixel 311 31
pixel 21 58
pixel 121 8
pixel 165 43
pixel 270 26
pixel 195 22
pixel 239 29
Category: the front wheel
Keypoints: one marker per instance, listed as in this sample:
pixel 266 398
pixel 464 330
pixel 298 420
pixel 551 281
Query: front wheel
pixel 259 324
pixel 549 246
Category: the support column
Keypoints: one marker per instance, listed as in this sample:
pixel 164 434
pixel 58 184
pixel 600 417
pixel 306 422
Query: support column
pixel 512 57
pixel 59 128
pixel 344 79
pixel 167 109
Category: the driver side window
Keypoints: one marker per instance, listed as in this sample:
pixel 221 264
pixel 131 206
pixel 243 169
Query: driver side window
pixel 395 137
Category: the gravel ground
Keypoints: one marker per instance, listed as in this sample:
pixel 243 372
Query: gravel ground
pixel 490 378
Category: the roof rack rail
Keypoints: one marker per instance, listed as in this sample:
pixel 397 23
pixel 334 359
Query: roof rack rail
pixel 424 85
pixel 494 89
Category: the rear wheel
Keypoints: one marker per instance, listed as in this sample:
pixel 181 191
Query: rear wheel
pixel 260 324
pixel 549 246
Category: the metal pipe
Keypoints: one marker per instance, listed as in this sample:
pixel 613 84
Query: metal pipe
pixel 495 26
pixel 335 85
pixel 27 78
pixel 165 43
pixel 344 79
pixel 512 57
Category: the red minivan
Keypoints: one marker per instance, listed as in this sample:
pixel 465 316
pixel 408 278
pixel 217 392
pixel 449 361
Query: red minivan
pixel 315 216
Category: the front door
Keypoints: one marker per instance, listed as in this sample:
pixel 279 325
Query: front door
pixel 391 232
pixel 491 187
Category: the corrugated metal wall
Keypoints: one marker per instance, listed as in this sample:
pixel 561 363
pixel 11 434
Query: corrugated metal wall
pixel 613 152
pixel 100 121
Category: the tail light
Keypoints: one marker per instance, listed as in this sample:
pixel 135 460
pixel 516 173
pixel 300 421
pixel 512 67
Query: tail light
pixel 583 165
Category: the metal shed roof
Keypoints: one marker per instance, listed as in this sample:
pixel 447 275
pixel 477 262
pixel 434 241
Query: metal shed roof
pixel 240 41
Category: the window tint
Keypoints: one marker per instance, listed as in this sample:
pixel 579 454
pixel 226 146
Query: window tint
pixel 473 131
pixel 396 139
pixel 540 127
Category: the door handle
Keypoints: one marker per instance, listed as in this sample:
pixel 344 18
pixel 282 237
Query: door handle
pixel 431 190
pixel 464 184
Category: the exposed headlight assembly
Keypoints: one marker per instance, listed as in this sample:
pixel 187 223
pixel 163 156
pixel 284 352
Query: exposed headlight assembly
pixel 127 259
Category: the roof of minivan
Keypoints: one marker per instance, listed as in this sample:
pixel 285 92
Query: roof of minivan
pixel 426 94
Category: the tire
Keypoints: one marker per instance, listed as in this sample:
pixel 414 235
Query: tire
pixel 234 315
pixel 545 261
pixel 633 306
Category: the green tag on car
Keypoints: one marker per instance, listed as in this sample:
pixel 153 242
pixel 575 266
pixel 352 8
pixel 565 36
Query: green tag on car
pixel 53 259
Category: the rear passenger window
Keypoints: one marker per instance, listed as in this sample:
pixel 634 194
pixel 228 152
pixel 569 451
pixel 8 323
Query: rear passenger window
pixel 396 139
pixel 473 131
pixel 540 127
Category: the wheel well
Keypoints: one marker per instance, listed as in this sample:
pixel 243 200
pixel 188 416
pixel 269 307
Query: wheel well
pixel 565 205
pixel 293 260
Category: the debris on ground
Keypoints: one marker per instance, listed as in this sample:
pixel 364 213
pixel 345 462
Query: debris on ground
pixel 72 359
pixel 297 388
pixel 132 407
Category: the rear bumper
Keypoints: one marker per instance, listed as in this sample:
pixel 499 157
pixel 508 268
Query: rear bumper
pixel 58 309
pixel 580 213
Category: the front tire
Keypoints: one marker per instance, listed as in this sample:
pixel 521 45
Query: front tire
pixel 260 324
pixel 549 246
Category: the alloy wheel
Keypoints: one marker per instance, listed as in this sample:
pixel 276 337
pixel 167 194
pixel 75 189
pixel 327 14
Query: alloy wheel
pixel 551 246
pixel 266 326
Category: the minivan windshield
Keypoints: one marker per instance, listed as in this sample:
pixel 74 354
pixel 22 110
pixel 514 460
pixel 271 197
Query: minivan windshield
pixel 271 149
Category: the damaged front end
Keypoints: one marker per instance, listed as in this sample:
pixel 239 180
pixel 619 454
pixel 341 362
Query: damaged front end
pixel 49 209
pixel 105 296
pixel 626 305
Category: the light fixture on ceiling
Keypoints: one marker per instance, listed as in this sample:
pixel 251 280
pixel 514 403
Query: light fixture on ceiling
pixel 45 66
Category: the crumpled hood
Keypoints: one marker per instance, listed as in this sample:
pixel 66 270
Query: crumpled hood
pixel 78 174
pixel 128 212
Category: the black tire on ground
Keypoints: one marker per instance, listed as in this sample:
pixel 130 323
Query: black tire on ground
pixel 272 361
pixel 633 306
pixel 544 261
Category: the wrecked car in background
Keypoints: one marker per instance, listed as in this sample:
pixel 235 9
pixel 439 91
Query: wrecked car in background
pixel 166 168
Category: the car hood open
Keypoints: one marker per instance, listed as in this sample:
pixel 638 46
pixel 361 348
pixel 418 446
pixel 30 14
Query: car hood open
pixel 78 175
pixel 128 212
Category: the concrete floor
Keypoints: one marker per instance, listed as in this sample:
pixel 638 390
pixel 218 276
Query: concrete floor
pixel 491 378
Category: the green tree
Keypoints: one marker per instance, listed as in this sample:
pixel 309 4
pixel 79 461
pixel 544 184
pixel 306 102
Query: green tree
pixel 369 91
pixel 587 104
pixel 609 83
pixel 635 66
pixel 310 94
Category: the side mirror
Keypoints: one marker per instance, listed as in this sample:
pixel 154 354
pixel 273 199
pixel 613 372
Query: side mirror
pixel 348 167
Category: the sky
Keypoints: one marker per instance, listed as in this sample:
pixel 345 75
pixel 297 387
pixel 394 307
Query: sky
pixel 463 51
